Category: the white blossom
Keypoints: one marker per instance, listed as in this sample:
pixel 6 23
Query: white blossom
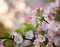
pixel 41 38
pixel 29 34
pixel 49 45
pixel 18 39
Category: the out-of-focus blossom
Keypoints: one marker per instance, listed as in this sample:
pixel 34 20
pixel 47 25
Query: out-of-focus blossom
pixel 7 19
pixel 2 45
pixel 3 7
pixel 52 7
pixel 57 2
pixel 22 20
pixel 46 12
pixel 28 19
pixel 36 36
pixel 33 20
pixel 8 23
pixel 51 40
pixel 25 43
pixel 57 40
pixel 18 39
pixel 20 6
pixel 49 45
pixel 2 41
pixel 41 38
pixel 27 10
pixel 45 35
pixel 51 33
pixel 16 46
pixel 54 26
pixel 33 12
pixel 29 34
pixel 36 46
pixel 44 26
pixel 36 43
pixel 52 17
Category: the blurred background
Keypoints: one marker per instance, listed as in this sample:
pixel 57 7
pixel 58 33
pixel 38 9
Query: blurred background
pixel 13 13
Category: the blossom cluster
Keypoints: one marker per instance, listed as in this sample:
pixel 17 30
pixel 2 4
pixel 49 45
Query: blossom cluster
pixel 40 29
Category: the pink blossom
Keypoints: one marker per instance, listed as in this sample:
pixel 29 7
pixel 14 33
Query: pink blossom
pixel 36 36
pixel 58 2
pixel 39 29
pixel 52 7
pixel 39 9
pixel 50 18
pixel 45 35
pixel 30 17
pixel 51 33
pixel 50 40
pixel 1 45
pixel 16 46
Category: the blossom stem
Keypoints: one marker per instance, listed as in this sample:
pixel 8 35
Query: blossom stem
pixel 46 21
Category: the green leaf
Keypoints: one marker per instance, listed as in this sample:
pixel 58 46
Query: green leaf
pixel 29 27
pixel 58 15
pixel 22 31
pixel 42 19
pixel 38 24
pixel 39 14
pixel 46 41
pixel 7 35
